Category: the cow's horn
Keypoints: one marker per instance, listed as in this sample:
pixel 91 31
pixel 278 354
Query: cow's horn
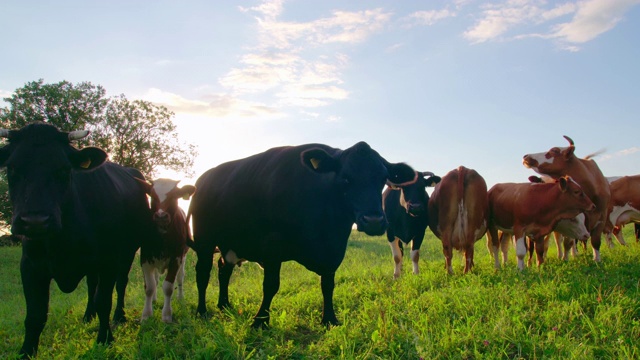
pixel 428 173
pixel 78 134
pixel 4 133
pixel 568 139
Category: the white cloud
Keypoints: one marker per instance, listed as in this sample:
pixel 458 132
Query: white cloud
pixel 621 153
pixel 429 17
pixel 297 62
pixel 590 19
pixel 214 105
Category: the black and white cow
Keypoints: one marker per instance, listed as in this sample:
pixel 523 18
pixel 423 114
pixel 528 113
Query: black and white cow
pixel 406 211
pixel 79 215
pixel 169 254
pixel 289 203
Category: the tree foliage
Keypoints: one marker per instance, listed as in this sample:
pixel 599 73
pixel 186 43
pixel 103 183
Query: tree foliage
pixel 134 133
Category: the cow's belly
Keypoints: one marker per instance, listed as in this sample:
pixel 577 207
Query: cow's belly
pixel 621 215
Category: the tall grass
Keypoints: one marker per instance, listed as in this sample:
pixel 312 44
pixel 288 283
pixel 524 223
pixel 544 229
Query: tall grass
pixel 563 310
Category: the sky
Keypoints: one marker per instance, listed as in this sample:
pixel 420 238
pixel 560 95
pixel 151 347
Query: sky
pixel 435 84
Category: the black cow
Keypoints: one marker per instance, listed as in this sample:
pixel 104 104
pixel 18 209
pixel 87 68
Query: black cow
pixel 80 216
pixel 288 203
pixel 406 210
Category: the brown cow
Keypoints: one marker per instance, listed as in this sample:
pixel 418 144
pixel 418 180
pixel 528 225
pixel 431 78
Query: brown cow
pixel 169 256
pixel 558 162
pixel 532 210
pixel 458 211
pixel 624 206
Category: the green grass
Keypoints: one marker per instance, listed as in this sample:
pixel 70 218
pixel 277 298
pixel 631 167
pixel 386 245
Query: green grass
pixel 563 310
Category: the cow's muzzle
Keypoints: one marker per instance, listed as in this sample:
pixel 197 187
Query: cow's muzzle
pixel 415 210
pixel 372 225
pixel 162 220
pixel 529 162
pixel 32 225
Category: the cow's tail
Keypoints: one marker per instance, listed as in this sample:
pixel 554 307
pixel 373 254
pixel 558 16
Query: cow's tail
pixel 460 225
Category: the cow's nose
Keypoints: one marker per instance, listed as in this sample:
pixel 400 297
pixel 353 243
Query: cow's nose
pixel 372 224
pixel 34 223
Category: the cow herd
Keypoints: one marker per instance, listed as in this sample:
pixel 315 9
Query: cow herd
pixel 81 216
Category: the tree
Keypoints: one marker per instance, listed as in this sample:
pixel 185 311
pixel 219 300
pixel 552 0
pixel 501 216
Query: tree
pixel 141 135
pixel 135 133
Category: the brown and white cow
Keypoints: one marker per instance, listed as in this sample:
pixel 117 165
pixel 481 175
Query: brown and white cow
pixel 169 256
pixel 458 211
pixel 566 231
pixel 624 206
pixel 526 209
pixel 558 162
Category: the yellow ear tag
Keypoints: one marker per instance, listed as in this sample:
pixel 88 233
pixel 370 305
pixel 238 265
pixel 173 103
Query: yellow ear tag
pixel 315 162
pixel 185 196
pixel 85 164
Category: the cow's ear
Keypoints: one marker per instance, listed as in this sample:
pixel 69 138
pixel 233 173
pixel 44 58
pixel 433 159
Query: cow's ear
pixel 568 152
pixel 145 185
pixel 432 181
pixel 535 179
pixel 401 174
pixel 563 183
pixel 319 160
pixel 186 191
pixel 88 158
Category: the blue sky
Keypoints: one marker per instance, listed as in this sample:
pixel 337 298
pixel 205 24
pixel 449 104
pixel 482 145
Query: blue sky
pixel 435 84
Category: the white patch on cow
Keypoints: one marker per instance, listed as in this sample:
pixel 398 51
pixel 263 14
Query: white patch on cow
pixel 231 258
pixel 630 214
pixel 162 187
pixel 397 257
pixel 415 257
pixel 167 311
pixel 573 228
pixel 150 284
pixel 521 251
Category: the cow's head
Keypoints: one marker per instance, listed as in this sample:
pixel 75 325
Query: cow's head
pixel 414 197
pixel 361 173
pixel 553 162
pixel 40 162
pixel 573 194
pixel 164 194
pixel 573 228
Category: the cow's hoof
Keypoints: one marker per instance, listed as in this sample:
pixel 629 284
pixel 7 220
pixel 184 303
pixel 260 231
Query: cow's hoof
pixel 260 323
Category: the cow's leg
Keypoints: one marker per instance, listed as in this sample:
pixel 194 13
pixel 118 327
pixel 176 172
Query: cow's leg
pixel 521 250
pixel 270 286
pixel 396 251
pixel 468 255
pixel 92 286
pixel 327 284
pixel 636 228
pixel 569 246
pixel 149 273
pixel 540 249
pixel 530 247
pixel 180 277
pixel 559 238
pixel 167 289
pixel 204 264
pixel 121 286
pixel 607 238
pixel 596 240
pixel 104 299
pixel 617 232
pixel 416 243
pixel 36 292
pixel 224 276
pixel 156 275
pixel 447 251
pixel 493 242
pixel 505 239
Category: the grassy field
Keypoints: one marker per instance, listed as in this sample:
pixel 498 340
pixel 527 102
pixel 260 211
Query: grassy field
pixel 572 310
